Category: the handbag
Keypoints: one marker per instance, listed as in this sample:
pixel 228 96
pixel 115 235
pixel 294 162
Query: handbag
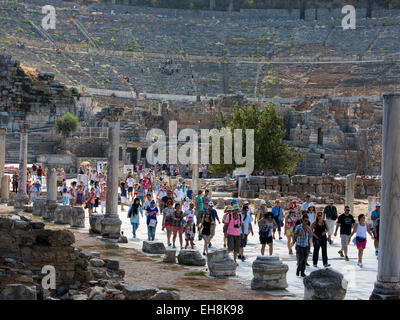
pixel 152 223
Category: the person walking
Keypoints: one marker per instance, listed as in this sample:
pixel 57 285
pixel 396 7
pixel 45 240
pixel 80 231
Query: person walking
pixel 320 228
pixel 168 220
pixel 190 231
pixel 228 210
pixel 233 224
pixel 246 218
pixel 103 198
pixel 205 227
pixel 346 222
pixel 214 216
pixel 80 196
pixel 261 213
pixel 277 211
pixel 177 227
pixel 376 233
pixel 375 215
pixel 90 201
pixel 199 208
pixel 123 195
pixel 151 213
pixel 133 215
pixel 266 225
pixel 361 229
pixel 302 236
pixel 330 214
pixel 306 204
pixel 290 223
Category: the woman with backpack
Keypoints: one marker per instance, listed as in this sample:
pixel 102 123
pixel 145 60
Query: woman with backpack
pixel 151 213
pixel 361 229
pixel 168 220
pixel 290 223
pixel 234 226
pixel 133 214
pixel 320 229
pixel 266 224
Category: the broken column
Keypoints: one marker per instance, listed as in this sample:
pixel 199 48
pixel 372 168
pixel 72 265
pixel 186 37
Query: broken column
pixel 51 196
pixel 3 132
pixel 5 188
pixel 269 273
pixel 195 179
pixel 349 192
pixel 387 286
pixel 111 224
pixel 22 197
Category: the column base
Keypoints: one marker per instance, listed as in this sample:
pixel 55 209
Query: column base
pixel 111 226
pixel 21 200
pixel 386 291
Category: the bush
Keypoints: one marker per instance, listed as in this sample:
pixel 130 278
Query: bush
pixel 67 124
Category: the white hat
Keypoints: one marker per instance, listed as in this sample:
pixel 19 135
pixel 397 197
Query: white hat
pixel 262 202
pixel 211 204
pixel 245 202
pixel 331 201
pixel 377 204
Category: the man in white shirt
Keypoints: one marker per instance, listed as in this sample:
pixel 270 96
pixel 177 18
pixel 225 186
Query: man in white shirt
pixel 306 204
pixel 178 194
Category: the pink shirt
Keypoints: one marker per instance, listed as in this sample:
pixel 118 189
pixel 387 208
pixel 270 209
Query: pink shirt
pixel 231 222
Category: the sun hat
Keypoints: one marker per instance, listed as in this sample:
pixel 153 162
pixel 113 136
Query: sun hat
pixel 229 208
pixel 331 201
pixel 211 204
pixel 236 207
pixel 245 202
pixel 377 204
pixel 262 202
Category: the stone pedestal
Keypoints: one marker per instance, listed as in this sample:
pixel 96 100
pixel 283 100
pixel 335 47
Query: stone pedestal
pixel 5 188
pixel 111 224
pixel 220 264
pixel 95 223
pixel 77 217
pixel 387 286
pixel 170 256
pixel 39 207
pixel 62 215
pixel 269 273
pixel 153 247
pixel 349 191
pixel 325 284
pixel 22 197
pixel 191 258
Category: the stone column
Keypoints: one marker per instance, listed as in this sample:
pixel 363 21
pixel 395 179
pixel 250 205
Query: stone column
pixel 5 188
pixel 51 197
pixel 111 224
pixel 139 154
pixel 195 179
pixel 22 197
pixel 123 155
pixel 387 286
pixel 349 192
pixel 3 132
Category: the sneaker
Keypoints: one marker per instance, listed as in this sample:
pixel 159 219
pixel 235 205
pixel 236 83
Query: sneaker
pixel 361 265
pixel 239 256
pixel 358 264
pixel 303 275
pixel 341 253
pixel 204 253
pixel 315 266
pixel 280 238
pixel 376 252
pixel 297 273
pixel 243 258
pixel 327 265
pixel 307 265
pixel 209 245
pixel 346 258
pixel 290 251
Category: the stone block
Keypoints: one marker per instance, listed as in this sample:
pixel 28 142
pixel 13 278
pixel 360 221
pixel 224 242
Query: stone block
pixel 165 295
pixel 283 179
pixel 191 257
pixel 138 292
pixel 95 222
pixel 220 264
pixel 62 215
pixel 271 180
pixel 299 179
pixel 153 247
pixel 77 217
pixel 39 207
pixel 170 256
pixel 269 273
pixel 257 180
pixel 315 180
pixel 325 284
pixel 49 211
pixel 18 292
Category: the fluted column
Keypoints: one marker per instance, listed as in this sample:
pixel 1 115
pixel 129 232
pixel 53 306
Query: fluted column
pixel 3 132
pixel 111 224
pixel 22 197
pixel 51 197
pixel 387 286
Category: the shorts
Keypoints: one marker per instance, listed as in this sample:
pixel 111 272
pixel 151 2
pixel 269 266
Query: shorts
pixel 331 226
pixel 233 243
pixel 123 200
pixel 361 244
pixel 345 240
pixel 289 232
pixel 200 216
pixel 266 240
pixel 243 241
pixel 79 202
pixel 90 206
pixel 189 238
pixel 278 222
pixel 130 189
pixel 176 229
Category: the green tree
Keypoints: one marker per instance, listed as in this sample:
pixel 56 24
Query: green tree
pixel 67 124
pixel 270 151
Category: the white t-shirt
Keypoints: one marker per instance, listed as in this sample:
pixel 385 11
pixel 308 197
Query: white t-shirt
pixel 305 206
pixel 129 181
pixel 190 213
pixel 246 221
pixel 178 195
pixel 162 194
pixel 93 176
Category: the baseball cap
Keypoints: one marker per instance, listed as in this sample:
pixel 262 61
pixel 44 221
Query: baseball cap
pixel 200 191
pixel 347 207
pixel 377 204
pixel 236 207
pixel 211 204
pixel 262 202
pixel 292 210
pixel 245 202
pixel 308 196
pixel 229 208
pixel 331 201
pixel 234 200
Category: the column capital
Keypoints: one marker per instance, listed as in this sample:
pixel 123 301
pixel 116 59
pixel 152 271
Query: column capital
pixel 114 114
